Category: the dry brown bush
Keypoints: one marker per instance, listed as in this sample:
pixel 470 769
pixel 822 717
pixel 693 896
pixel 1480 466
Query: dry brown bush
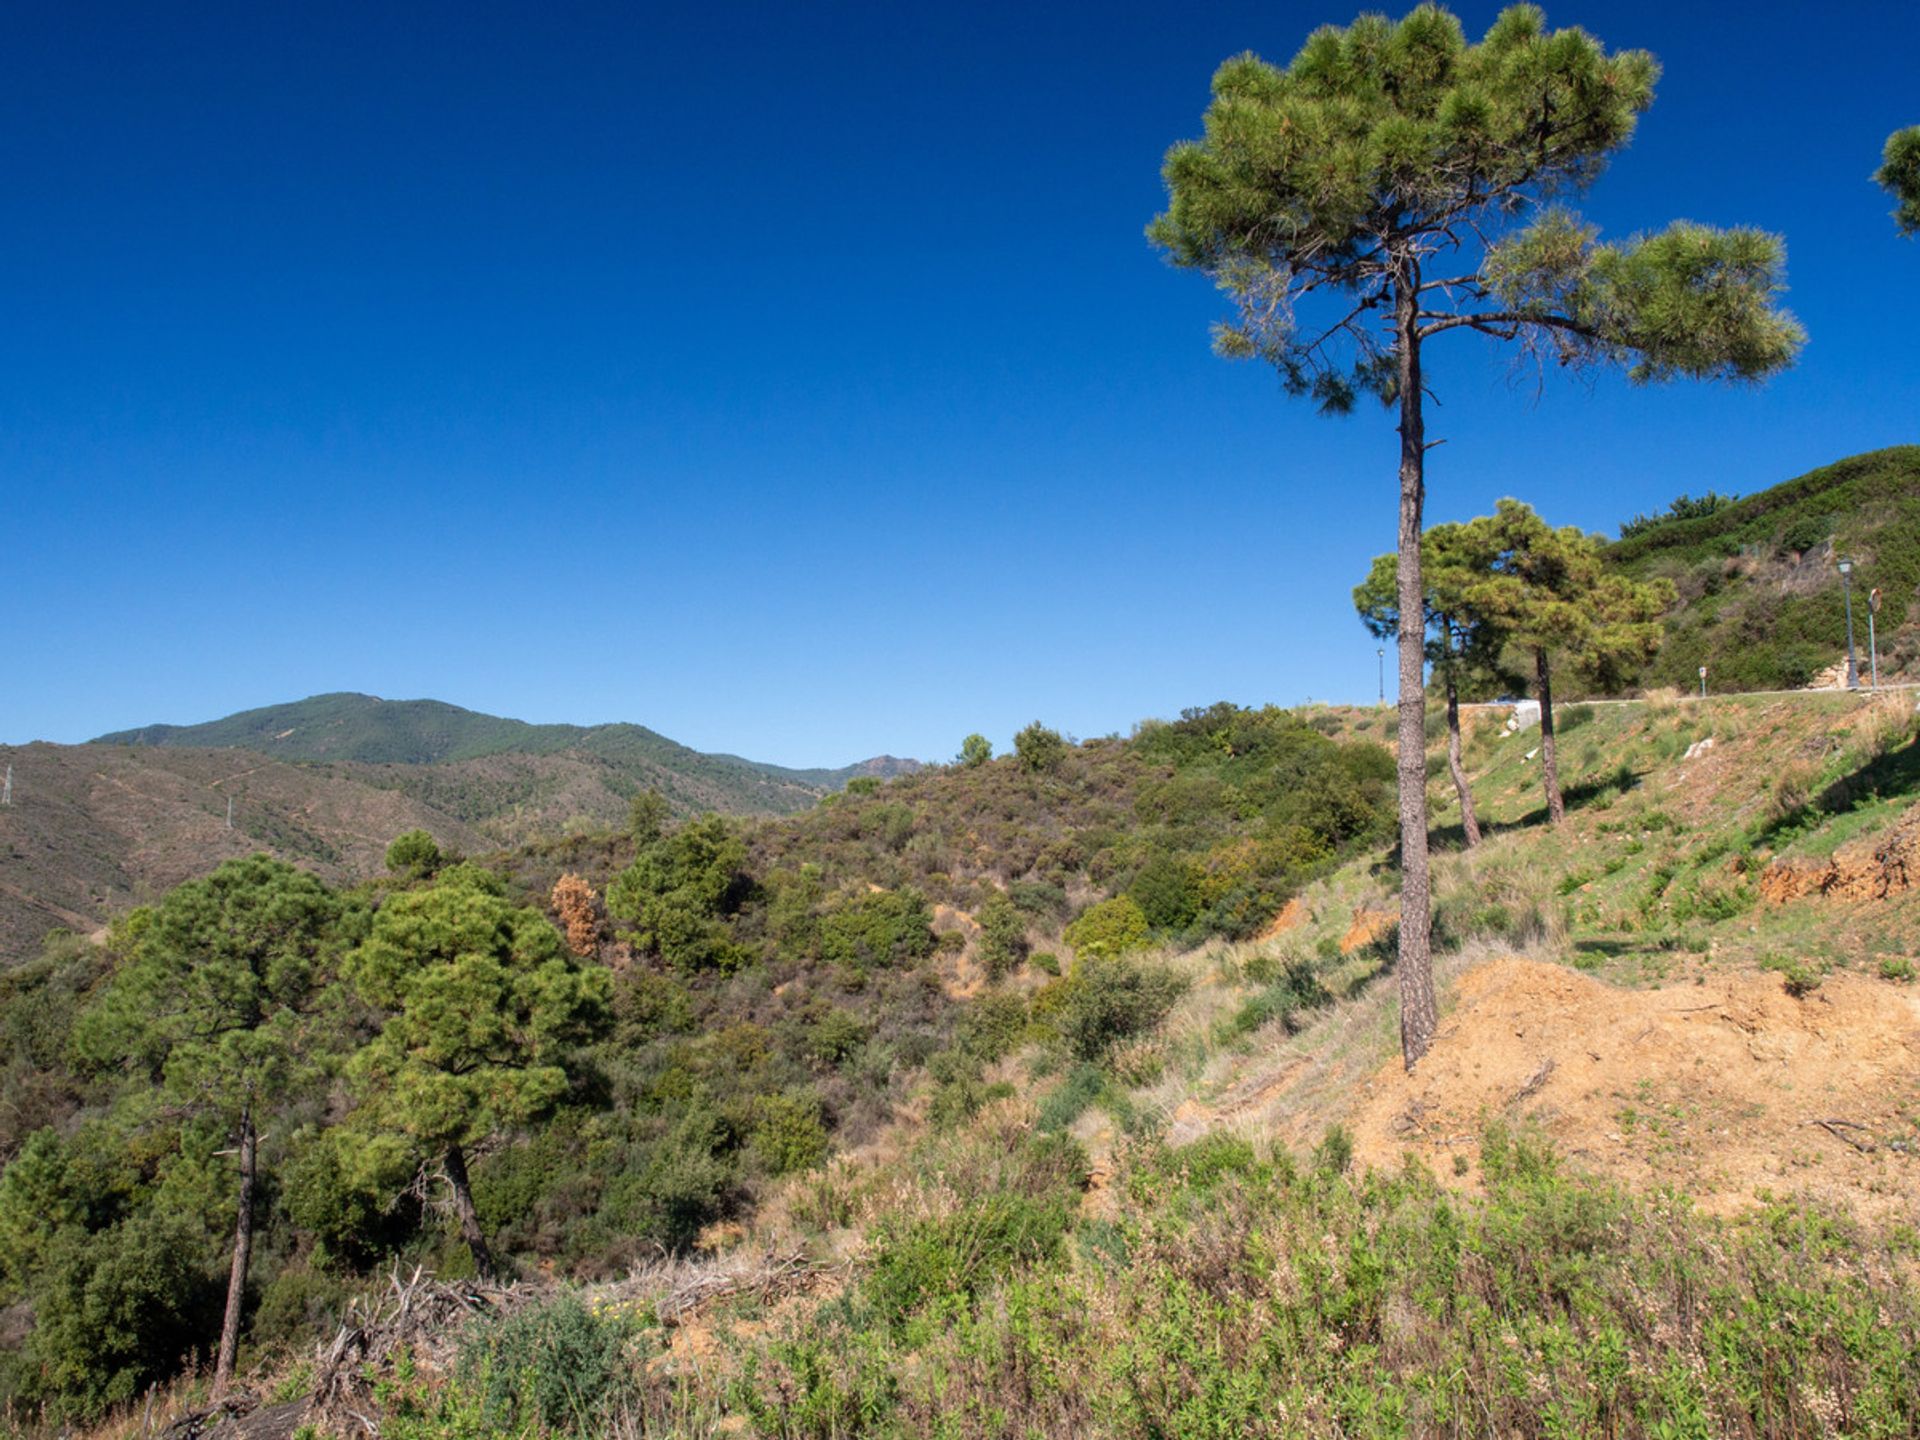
pixel 577 907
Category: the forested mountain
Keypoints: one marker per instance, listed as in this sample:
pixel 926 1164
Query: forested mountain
pixel 326 782
pixel 373 731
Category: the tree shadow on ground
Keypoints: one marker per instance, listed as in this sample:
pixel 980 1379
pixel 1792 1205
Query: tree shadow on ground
pixel 1892 775
pixel 1585 792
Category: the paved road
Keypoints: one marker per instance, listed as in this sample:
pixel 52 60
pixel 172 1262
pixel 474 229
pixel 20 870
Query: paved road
pixel 1864 692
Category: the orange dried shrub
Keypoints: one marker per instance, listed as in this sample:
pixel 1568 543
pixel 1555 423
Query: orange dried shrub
pixel 577 907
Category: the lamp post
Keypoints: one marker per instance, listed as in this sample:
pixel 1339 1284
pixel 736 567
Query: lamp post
pixel 1381 655
pixel 1873 645
pixel 1846 582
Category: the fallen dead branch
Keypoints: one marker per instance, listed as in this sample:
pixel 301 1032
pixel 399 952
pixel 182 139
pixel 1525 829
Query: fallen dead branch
pixel 1838 1129
pixel 678 1288
pixel 419 1314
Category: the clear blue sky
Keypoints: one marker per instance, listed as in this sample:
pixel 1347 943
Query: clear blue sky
pixel 793 379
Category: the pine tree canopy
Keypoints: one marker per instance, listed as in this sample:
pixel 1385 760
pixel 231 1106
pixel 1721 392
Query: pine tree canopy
pixel 211 1000
pixel 1899 174
pixel 1453 559
pixel 1547 589
pixel 483 998
pixel 1386 147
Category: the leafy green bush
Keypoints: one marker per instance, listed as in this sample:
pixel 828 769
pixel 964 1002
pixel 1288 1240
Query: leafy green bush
pixel 788 1134
pixel 1003 936
pixel 1801 978
pixel 1082 1088
pixel 881 929
pixel 1111 928
pixel 414 855
pixel 940 1265
pixel 554 1368
pixel 1167 889
pixel 1038 748
pixel 1108 1000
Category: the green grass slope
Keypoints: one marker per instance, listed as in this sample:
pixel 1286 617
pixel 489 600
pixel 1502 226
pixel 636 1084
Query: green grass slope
pixel 1761 603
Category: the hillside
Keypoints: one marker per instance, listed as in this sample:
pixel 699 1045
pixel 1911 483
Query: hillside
pixel 1063 1098
pixel 327 782
pixel 1760 600
pixel 372 731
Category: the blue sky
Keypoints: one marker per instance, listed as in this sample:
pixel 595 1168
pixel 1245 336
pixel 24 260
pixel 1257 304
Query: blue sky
pixel 792 379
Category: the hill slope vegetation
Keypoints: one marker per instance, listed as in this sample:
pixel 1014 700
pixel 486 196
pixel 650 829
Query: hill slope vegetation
pixel 328 782
pixel 1059 1094
pixel 1761 603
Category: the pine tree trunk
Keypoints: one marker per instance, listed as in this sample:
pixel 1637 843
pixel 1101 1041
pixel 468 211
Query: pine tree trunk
pixel 1468 820
pixel 242 1257
pixel 1549 765
pixel 1418 1013
pixel 469 1217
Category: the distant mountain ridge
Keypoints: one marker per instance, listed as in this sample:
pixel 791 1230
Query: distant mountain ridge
pixel 348 726
pixel 327 782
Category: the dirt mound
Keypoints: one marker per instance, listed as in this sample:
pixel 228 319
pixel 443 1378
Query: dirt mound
pixel 1723 1088
pixel 1868 870
pixel 1292 914
pixel 1367 927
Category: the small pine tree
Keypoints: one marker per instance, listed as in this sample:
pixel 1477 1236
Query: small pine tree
pixel 1039 748
pixel 481 1002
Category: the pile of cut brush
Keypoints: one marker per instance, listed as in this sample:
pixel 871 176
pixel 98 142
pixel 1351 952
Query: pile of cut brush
pixel 426 1318
pixel 420 1315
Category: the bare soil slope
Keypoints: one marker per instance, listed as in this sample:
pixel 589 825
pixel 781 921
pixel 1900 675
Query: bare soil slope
pixel 1725 1088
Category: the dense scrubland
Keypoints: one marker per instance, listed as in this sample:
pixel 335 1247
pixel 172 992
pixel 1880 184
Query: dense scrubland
pixel 1099 1088
pixel 963 1061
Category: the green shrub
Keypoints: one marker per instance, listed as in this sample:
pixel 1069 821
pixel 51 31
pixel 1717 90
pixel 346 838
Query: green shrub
pixel 882 929
pixel 1038 748
pixel 554 1368
pixel 1572 718
pixel 1069 1100
pixel 836 1036
pixel 1105 1001
pixel 941 1265
pixel 789 1134
pixel 1003 936
pixel 1167 890
pixel 414 855
pixel 1801 978
pixel 1111 928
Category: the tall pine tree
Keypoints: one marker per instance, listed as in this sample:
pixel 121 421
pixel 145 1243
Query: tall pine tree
pixel 1394 183
pixel 214 1002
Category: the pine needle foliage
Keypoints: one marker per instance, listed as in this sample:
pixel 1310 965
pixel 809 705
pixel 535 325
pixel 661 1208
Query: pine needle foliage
pixel 1899 175
pixel 1394 182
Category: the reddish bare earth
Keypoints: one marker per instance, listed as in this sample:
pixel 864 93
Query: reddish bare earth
pixel 1725 1088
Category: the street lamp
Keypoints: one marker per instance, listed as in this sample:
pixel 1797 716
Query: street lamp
pixel 1846 582
pixel 1381 655
pixel 1873 645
